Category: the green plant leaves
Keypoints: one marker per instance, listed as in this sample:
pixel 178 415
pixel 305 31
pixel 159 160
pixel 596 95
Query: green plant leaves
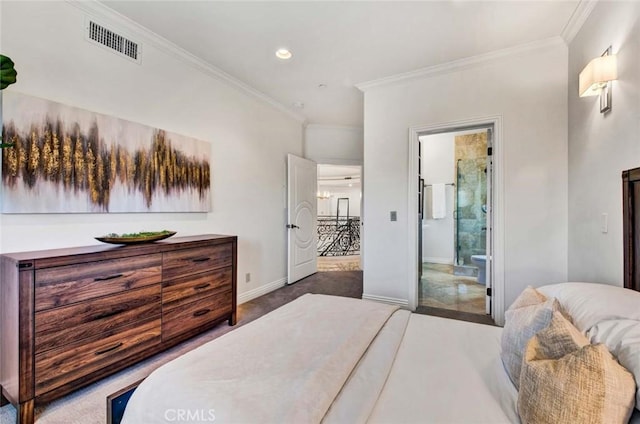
pixel 8 73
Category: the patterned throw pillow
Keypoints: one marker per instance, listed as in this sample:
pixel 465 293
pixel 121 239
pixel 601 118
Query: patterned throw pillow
pixel 530 313
pixel 566 380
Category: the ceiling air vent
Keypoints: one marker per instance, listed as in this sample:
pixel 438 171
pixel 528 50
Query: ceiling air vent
pixel 98 34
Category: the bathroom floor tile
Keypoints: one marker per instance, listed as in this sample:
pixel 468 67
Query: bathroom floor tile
pixel 439 288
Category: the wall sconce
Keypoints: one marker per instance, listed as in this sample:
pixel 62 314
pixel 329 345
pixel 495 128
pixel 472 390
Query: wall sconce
pixel 596 76
pixel 323 195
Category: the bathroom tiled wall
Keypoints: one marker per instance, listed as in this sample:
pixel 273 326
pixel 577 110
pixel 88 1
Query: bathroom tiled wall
pixel 471 190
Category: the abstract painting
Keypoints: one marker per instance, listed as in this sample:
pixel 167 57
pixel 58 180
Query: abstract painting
pixel 69 160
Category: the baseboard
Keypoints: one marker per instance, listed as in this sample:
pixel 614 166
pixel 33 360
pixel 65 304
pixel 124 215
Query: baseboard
pixel 432 260
pixel 259 291
pixel 403 303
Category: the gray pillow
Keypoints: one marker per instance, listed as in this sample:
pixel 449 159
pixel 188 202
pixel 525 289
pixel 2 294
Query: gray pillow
pixel 530 313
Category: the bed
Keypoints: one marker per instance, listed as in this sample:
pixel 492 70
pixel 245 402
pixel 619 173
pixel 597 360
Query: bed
pixel 336 360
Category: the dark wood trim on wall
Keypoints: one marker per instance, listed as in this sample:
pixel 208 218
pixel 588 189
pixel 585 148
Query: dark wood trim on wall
pixel 631 227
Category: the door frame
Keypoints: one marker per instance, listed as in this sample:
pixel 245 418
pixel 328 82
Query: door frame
pixel 497 256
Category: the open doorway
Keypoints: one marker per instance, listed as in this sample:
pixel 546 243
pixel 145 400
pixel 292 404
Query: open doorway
pixel 455 169
pixel 339 204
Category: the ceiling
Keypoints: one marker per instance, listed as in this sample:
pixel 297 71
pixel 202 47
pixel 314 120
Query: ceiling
pixel 332 177
pixel 336 172
pixel 343 43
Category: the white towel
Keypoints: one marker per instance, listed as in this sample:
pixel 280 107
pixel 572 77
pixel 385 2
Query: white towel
pixel 438 201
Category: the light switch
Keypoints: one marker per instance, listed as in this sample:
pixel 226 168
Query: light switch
pixel 393 215
pixel 604 223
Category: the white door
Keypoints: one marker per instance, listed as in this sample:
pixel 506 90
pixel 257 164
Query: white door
pixel 302 185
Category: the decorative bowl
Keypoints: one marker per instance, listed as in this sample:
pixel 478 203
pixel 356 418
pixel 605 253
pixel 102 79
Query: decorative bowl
pixel 142 237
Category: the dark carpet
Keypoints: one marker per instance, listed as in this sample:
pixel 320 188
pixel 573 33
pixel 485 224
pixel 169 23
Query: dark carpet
pixel 337 283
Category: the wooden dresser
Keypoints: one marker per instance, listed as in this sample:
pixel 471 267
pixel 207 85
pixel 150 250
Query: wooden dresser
pixel 72 316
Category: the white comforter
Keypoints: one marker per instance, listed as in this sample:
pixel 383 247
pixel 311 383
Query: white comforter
pixel 447 371
pixel 335 360
pixel 288 366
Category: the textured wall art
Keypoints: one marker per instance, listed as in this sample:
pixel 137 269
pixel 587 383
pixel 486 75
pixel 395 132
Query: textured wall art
pixel 68 160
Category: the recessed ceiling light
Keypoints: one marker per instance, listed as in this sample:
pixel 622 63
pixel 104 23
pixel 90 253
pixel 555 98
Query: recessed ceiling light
pixel 283 54
pixel 322 85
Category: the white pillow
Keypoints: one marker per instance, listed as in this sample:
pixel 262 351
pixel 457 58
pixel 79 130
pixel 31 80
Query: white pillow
pixel 590 303
pixel 622 338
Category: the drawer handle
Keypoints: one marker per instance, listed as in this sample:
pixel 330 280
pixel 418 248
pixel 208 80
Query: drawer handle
pixel 202 286
pixel 109 314
pixel 109 349
pixel 111 277
pixel 201 312
pixel 200 259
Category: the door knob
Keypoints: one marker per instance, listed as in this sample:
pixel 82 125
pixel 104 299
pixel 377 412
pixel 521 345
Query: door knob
pixel 292 226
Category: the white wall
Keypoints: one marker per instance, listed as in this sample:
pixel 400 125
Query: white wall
pixel 602 146
pixel 438 156
pixel 333 144
pixel 529 91
pixel 249 138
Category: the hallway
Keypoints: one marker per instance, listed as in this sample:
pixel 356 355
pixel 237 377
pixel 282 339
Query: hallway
pixel 339 263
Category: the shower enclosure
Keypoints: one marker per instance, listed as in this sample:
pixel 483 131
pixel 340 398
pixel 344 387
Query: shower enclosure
pixel 470 199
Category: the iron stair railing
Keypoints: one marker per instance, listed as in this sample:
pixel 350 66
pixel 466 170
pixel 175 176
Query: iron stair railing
pixel 338 236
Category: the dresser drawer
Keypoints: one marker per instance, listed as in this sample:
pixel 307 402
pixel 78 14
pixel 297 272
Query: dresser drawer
pixel 180 263
pixel 64 285
pixel 62 326
pixel 57 367
pixel 180 320
pixel 187 289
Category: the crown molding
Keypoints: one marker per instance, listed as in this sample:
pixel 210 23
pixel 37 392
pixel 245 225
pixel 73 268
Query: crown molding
pixel 333 127
pixel 578 18
pixel 460 64
pixel 108 15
